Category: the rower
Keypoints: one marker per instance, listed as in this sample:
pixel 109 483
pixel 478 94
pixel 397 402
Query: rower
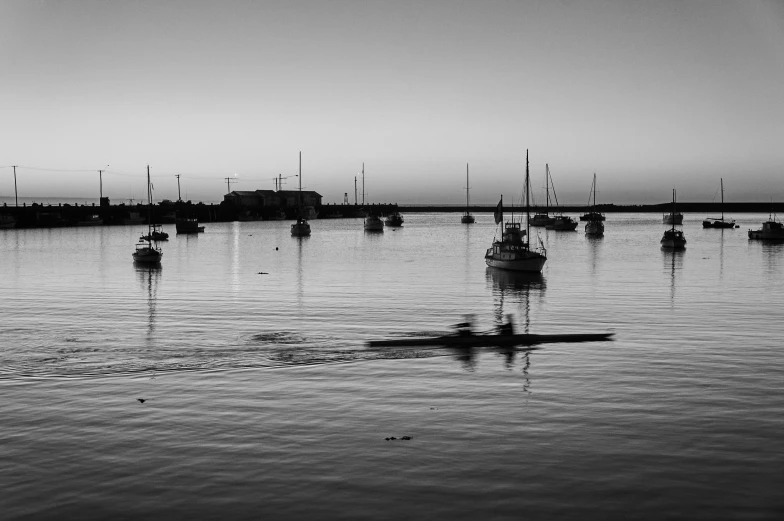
pixel 507 328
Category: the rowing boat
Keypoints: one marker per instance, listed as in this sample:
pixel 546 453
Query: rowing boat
pixel 491 340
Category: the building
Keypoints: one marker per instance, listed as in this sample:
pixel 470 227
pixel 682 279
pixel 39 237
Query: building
pixel 271 198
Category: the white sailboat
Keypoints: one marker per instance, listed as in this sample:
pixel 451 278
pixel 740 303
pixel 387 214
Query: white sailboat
pixel 146 252
pixel 467 218
pixel 594 226
pixel 301 228
pixel 512 252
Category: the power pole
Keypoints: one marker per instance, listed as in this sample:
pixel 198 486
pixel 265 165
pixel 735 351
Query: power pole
pixel 229 180
pixel 16 194
pixel 179 197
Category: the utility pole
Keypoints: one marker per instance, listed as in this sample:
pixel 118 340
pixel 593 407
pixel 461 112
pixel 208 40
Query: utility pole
pixel 229 180
pixel 355 190
pixel 179 197
pixel 16 194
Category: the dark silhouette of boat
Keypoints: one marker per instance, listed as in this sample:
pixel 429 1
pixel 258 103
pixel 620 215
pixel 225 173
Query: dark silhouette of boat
pixel 480 340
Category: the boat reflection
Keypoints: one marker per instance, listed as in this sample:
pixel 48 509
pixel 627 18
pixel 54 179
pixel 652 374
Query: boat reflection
pixel 673 261
pixel 515 289
pixel 595 249
pixel 149 276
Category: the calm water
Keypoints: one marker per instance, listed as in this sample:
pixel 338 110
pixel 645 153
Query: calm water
pixel 262 399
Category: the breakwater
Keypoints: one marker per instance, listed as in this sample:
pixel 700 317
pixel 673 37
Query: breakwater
pixel 48 216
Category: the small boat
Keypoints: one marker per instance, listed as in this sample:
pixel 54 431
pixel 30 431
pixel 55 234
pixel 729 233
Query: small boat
pixel 772 230
pixel 594 224
pixel 673 217
pixel 188 225
pixel 7 221
pixel 486 340
pixel 719 222
pixel 394 219
pixel 539 218
pixel 592 216
pixel 301 228
pixel 373 223
pixel 467 218
pixel 673 239
pixel 512 252
pixel 558 222
pixel 562 223
pixel 145 251
pixel 155 233
pixel 92 220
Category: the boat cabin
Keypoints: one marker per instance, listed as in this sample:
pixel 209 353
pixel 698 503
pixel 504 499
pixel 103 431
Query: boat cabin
pixel 513 234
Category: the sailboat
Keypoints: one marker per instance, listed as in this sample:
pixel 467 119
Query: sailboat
pixel 560 222
pixel 146 252
pixel 301 228
pixel 373 221
pixel 594 226
pixel 673 239
pixel 467 218
pixel 543 219
pixel 512 252
pixel 714 222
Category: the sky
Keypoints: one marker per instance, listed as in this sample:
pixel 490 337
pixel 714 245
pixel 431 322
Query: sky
pixel 649 95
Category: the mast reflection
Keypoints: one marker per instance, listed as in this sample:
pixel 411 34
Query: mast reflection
pixel 513 294
pixel 149 276
pixel 673 260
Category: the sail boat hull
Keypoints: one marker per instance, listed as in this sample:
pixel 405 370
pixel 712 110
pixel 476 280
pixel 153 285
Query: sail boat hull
pixel 467 219
pixel 147 255
pixel 594 228
pixel 717 223
pixel 523 260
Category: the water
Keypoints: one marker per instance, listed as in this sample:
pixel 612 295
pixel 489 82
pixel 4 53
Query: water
pixel 263 399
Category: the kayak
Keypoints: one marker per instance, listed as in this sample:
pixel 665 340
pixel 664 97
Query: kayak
pixel 491 340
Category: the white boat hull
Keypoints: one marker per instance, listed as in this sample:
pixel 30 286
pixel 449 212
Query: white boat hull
pixel 147 256
pixel 374 225
pixel 534 262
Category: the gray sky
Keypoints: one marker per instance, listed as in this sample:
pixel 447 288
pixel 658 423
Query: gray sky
pixel 650 95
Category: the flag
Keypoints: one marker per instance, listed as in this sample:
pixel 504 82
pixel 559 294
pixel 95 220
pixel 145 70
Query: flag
pixel 499 211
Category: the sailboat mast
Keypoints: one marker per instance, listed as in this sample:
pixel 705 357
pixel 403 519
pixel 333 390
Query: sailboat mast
pixel 722 198
pixel 673 209
pixel 363 184
pixel 467 189
pixel 299 195
pixel 149 208
pixel 547 187
pixel 527 212
pixel 594 191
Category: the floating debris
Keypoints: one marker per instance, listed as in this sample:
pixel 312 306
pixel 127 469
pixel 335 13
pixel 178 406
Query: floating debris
pixel 141 400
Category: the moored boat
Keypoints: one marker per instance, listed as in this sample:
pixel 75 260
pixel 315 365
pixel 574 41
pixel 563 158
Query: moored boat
pixel 188 225
pixel 512 252
pixel 673 239
pixel 719 222
pixel 544 218
pixel 7 221
pixel 467 218
pixel 373 223
pixel 594 225
pixel 562 223
pixel 301 228
pixel 91 220
pixel 145 251
pixel 772 230
pixel 394 219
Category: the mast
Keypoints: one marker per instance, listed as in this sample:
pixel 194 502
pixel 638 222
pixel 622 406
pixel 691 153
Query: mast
pixel 149 209
pixel 547 185
pixel 673 209
pixel 722 199
pixel 363 183
pixel 527 212
pixel 594 191
pixel 467 189
pixel 299 194
pixel 355 190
